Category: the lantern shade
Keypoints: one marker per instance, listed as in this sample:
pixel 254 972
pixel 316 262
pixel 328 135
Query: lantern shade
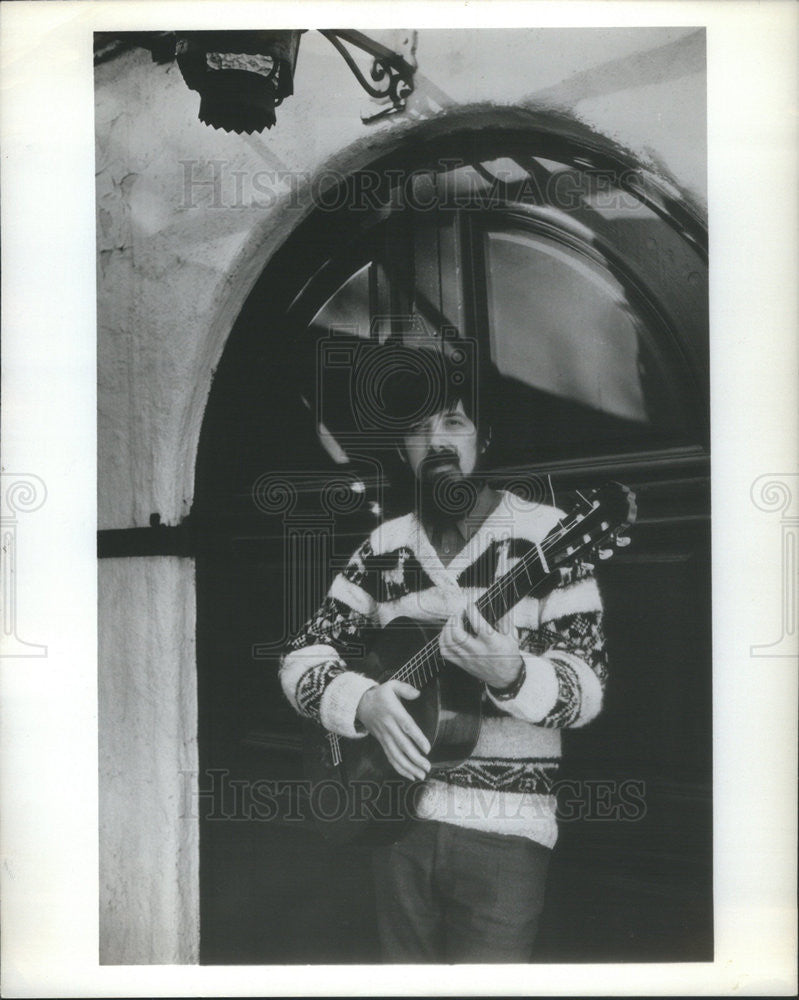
pixel 241 76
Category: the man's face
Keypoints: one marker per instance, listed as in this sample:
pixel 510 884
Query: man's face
pixel 443 444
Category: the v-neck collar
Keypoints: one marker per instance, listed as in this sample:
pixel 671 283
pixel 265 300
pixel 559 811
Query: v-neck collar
pixel 447 576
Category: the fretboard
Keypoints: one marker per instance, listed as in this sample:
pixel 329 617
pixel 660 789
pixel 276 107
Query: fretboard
pixel 596 519
pixel 528 575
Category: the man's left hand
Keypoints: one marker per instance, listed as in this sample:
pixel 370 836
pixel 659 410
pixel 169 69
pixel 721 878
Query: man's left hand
pixel 479 649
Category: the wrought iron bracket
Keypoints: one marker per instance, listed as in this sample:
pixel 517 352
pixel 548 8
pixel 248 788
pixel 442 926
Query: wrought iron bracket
pixel 391 72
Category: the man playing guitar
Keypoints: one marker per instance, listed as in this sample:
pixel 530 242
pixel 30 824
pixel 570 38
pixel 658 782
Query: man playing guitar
pixel 465 880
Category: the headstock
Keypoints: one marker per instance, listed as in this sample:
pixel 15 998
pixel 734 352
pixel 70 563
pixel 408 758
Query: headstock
pixel 596 524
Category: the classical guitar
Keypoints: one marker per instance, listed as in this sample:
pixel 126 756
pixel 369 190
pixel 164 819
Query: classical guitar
pixel 352 783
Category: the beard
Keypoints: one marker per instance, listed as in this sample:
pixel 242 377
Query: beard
pixel 444 492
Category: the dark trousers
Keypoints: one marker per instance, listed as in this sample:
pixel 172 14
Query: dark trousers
pixel 448 894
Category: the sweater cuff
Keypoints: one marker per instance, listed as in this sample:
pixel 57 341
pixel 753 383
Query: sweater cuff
pixel 340 701
pixel 538 694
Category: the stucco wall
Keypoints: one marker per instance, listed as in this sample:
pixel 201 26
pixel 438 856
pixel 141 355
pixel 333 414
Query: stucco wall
pixel 149 859
pixel 187 218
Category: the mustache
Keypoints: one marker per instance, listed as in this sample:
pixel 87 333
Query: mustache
pixel 443 455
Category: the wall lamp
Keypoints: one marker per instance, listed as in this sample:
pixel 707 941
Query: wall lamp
pixel 243 76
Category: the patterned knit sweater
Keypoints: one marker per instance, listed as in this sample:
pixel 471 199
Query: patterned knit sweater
pixel 506 786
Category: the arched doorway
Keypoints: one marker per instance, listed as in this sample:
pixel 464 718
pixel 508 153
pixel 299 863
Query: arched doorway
pixel 550 253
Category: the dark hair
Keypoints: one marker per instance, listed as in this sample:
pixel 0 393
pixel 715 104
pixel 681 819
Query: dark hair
pixel 421 381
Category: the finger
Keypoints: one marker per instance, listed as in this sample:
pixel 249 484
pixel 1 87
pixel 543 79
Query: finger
pixel 504 625
pixel 394 757
pixel 471 621
pixel 409 726
pixel 404 690
pixel 409 749
pixel 458 643
pixel 465 622
pixel 400 767
pixel 446 641
pixel 458 634
pixel 477 622
pixel 401 761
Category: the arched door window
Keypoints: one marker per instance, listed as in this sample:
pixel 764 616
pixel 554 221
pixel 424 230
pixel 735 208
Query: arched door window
pixel 600 348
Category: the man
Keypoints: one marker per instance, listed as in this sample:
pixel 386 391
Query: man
pixel 465 882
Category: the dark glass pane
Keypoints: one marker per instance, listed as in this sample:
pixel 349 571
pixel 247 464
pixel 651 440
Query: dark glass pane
pixel 561 325
pixel 585 370
pixel 347 308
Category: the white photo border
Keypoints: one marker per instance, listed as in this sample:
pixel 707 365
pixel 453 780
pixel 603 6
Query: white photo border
pixel 49 737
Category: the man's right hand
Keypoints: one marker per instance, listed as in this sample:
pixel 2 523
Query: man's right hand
pixel 382 713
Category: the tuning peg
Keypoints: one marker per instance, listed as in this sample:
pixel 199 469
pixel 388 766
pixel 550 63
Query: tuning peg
pixel 623 541
pixel 605 553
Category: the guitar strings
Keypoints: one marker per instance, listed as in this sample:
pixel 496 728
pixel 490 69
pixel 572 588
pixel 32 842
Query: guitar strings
pixel 422 658
pixel 426 656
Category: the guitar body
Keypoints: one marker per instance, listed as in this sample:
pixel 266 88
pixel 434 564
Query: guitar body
pixel 362 796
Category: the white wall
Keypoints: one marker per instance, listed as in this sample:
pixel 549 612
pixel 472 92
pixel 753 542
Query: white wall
pixel 149 856
pixel 176 260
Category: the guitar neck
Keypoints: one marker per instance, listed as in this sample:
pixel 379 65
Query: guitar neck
pixel 526 577
pixel 596 519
